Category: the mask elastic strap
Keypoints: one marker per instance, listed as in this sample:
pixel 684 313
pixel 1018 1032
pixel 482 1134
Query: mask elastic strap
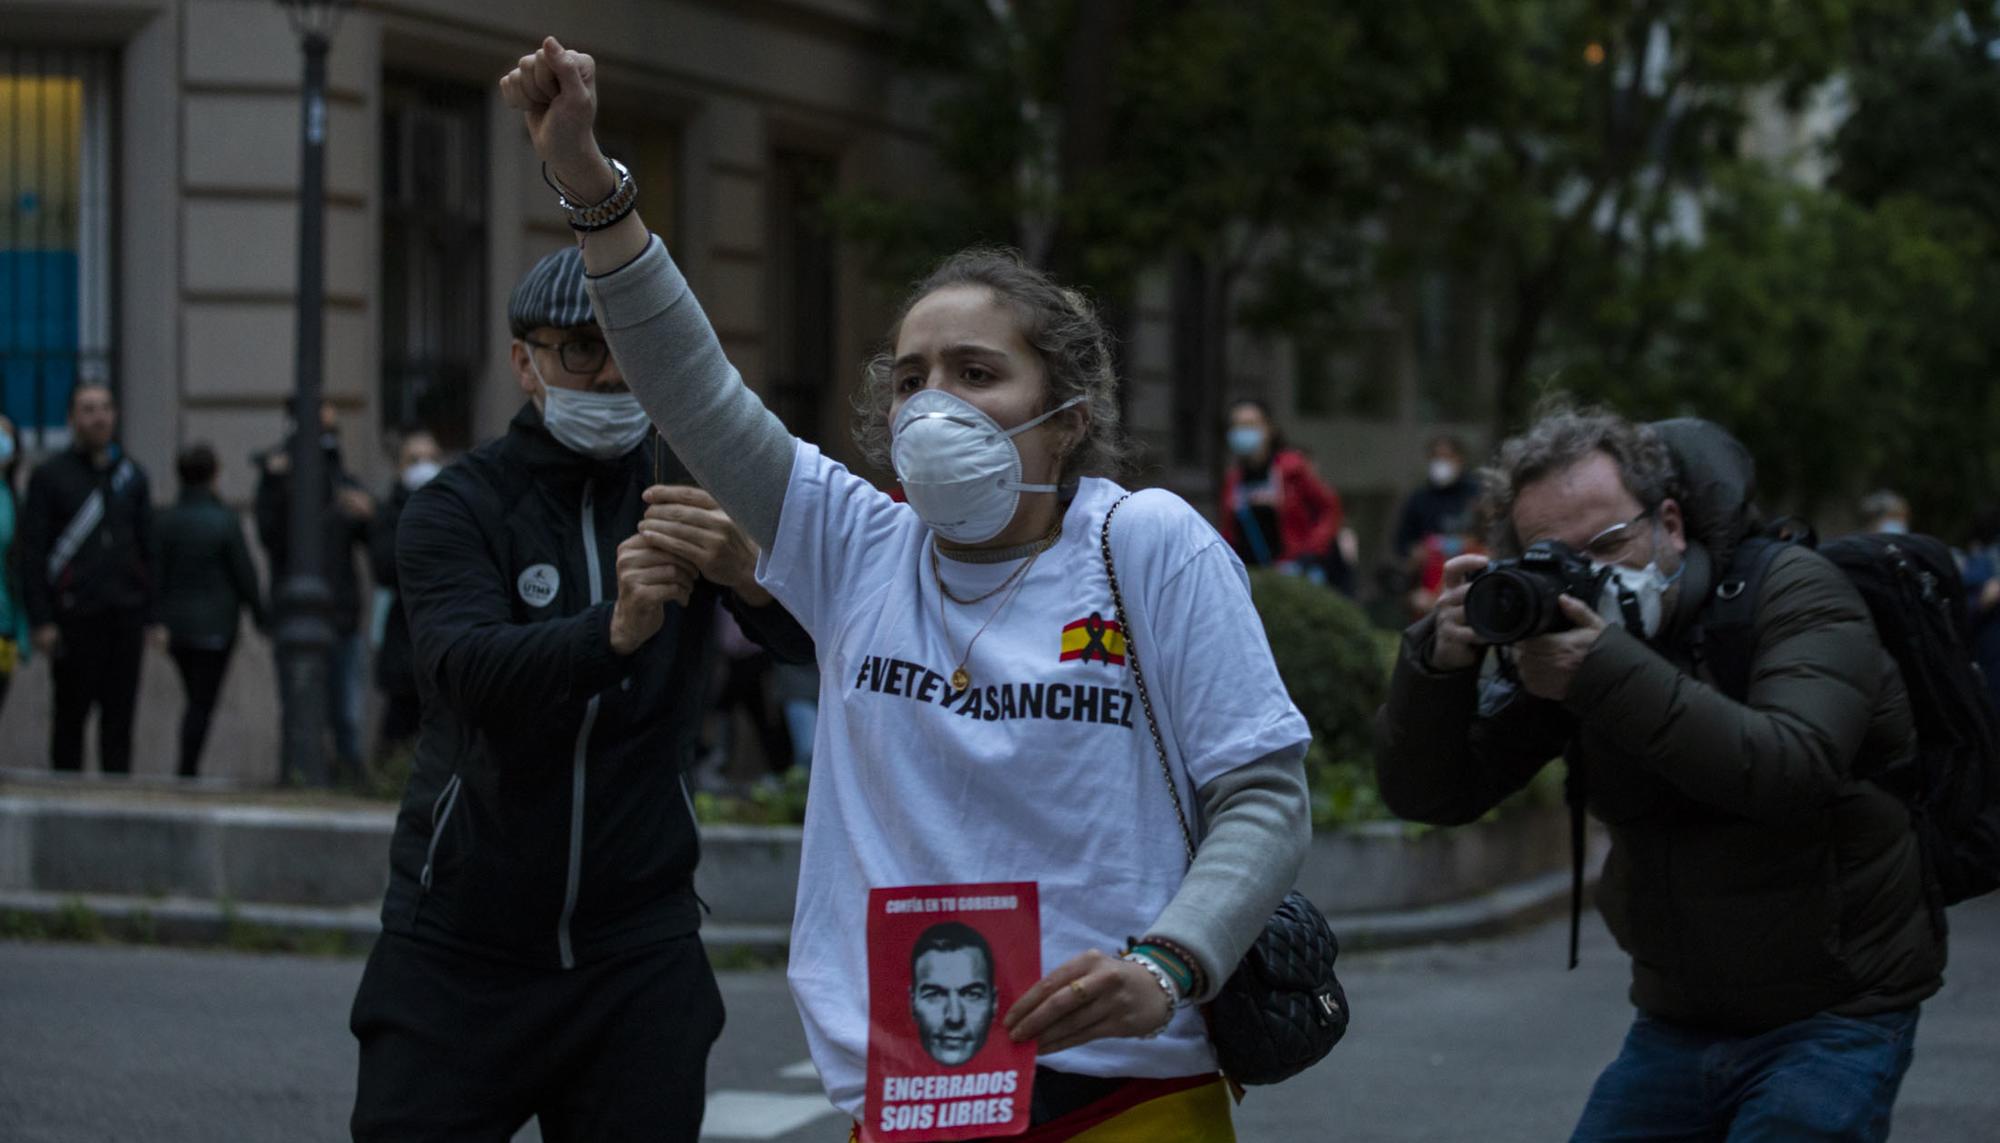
pixel 1024 426
pixel 537 367
pixel 1017 486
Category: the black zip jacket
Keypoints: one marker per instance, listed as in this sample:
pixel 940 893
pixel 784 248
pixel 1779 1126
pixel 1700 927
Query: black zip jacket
pixel 395 673
pixel 340 535
pixel 546 821
pixel 111 570
pixel 205 574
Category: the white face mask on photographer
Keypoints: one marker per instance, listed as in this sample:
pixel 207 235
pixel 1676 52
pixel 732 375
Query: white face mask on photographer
pixel 1636 597
pixel 605 426
pixel 420 473
pixel 959 469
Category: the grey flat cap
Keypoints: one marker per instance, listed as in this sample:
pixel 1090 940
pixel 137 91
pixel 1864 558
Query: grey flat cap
pixel 551 294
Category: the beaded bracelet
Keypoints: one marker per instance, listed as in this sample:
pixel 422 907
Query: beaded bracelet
pixel 1166 984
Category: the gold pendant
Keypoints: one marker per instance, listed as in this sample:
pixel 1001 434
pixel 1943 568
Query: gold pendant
pixel 960 679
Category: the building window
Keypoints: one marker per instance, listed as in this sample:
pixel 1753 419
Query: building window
pixel 801 284
pixel 1355 374
pixel 651 150
pixel 55 234
pixel 433 256
pixel 1449 338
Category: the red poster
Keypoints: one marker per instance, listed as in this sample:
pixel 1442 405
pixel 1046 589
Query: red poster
pixel 945 962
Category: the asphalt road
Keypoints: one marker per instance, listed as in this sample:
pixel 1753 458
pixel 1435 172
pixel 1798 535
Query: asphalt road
pixel 1491 1042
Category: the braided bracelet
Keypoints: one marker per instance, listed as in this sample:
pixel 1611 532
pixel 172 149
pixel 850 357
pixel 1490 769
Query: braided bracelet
pixel 1167 987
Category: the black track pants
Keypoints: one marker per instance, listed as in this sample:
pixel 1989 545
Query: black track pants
pixel 455 1047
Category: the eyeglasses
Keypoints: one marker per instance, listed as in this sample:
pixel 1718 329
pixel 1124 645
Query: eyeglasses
pixel 1608 545
pixel 583 356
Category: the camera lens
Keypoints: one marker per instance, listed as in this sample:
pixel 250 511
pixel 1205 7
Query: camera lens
pixel 1507 605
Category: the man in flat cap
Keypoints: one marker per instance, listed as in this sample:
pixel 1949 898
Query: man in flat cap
pixel 539 955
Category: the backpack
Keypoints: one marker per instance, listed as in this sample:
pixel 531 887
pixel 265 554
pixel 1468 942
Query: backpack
pixel 1916 598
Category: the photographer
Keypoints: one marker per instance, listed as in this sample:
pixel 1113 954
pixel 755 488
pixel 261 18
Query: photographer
pixel 1771 900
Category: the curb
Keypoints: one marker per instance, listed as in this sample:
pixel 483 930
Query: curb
pixel 280 928
pixel 295 928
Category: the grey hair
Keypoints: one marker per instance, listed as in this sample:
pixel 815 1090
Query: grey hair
pixel 1560 436
pixel 1061 325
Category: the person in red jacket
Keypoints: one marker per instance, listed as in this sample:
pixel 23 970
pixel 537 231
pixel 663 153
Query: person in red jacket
pixel 1276 511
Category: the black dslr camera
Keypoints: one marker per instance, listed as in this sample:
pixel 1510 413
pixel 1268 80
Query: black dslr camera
pixel 1512 600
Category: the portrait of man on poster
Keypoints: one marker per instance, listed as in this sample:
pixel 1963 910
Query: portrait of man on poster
pixel 951 991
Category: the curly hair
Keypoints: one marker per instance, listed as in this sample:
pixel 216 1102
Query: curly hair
pixel 1560 436
pixel 1061 325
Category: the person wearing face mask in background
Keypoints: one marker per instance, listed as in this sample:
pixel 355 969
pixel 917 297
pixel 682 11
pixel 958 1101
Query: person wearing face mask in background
pixel 1276 511
pixel 418 459
pixel 975 662
pixel 344 521
pixel 206 581
pixel 14 641
pixel 1437 523
pixel 1772 899
pixel 1886 512
pixel 539 955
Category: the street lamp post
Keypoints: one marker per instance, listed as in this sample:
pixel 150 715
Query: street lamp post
pixel 305 630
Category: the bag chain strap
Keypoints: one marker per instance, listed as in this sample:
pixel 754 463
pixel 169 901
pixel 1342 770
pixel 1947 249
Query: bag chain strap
pixel 1145 697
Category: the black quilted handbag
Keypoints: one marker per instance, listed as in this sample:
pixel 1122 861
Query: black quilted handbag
pixel 1283 1009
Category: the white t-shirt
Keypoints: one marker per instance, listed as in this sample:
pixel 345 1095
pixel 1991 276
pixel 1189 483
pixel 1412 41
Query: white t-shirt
pixel 1043 770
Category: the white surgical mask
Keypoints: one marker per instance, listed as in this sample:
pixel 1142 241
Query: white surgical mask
pixel 959 469
pixel 1894 526
pixel 1444 473
pixel 601 425
pixel 420 474
pixel 1245 440
pixel 1635 598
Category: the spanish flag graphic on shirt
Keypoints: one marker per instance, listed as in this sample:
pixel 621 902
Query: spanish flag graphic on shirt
pixel 1094 639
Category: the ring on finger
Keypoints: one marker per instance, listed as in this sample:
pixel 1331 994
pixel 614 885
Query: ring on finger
pixel 1076 986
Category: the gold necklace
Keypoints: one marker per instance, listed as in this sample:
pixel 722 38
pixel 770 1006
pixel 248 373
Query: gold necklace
pixel 937 572
pixel 960 677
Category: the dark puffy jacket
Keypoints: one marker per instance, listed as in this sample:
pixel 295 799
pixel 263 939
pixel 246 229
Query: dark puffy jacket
pixel 546 821
pixel 206 577
pixel 1755 876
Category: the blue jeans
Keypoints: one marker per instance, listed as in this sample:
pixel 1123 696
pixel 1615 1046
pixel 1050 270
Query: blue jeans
pixel 345 683
pixel 1825 1077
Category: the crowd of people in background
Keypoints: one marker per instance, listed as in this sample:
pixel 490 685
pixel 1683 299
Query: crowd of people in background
pixel 183 578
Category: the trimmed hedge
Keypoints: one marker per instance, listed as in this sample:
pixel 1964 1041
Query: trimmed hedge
pixel 1336 665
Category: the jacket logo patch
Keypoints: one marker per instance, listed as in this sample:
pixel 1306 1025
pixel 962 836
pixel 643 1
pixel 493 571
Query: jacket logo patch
pixel 1094 639
pixel 538 584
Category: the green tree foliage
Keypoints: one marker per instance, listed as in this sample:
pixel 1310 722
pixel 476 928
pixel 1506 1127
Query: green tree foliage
pixel 1847 346
pixel 1332 664
pixel 1848 334
pixel 1582 160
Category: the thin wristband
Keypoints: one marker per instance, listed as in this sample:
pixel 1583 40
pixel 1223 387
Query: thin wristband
pixel 1200 985
pixel 1175 966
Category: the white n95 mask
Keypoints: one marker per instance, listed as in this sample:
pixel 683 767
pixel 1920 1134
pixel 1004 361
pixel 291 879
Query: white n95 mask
pixel 1636 597
pixel 605 426
pixel 959 469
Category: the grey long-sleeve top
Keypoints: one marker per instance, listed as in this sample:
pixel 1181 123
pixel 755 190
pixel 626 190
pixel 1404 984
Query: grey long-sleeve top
pixel 1257 815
